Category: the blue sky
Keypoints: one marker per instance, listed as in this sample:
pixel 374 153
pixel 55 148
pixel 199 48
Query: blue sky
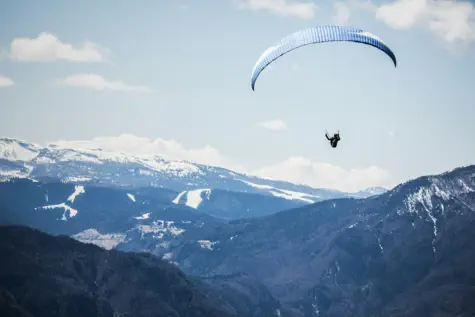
pixel 173 78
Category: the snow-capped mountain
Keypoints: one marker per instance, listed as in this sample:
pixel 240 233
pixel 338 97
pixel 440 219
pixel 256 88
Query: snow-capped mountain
pixel 96 166
pixel 368 192
pixel 358 257
pixel 339 257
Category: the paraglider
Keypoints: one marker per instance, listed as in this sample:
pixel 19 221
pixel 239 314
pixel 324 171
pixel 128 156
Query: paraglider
pixel 314 35
pixel 334 139
pixel 319 34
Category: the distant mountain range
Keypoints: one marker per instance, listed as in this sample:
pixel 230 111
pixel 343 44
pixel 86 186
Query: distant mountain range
pixel 192 181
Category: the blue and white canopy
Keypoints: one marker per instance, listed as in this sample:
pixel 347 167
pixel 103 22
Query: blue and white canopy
pixel 319 34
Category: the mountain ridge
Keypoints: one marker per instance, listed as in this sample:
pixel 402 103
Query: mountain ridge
pixel 44 275
pixel 343 256
pixel 20 158
pixel 357 257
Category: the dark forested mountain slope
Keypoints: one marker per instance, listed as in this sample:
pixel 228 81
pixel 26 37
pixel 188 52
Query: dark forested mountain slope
pixel 42 275
pixel 407 252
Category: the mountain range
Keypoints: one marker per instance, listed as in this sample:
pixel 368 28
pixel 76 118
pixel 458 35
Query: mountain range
pixel 407 251
pixel 192 181
pixel 339 257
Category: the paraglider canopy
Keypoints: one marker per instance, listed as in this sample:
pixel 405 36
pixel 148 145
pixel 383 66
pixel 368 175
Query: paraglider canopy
pixel 319 34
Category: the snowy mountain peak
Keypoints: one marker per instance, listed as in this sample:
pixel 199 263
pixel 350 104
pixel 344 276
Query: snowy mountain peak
pixel 435 198
pixel 107 168
pixel 375 190
pixel 370 191
pixel 17 150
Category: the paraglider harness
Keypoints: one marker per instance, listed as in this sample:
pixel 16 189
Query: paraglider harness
pixel 334 139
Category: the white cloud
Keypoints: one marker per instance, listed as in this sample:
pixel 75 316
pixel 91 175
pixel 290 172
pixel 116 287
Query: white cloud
pixel 325 175
pixel 285 8
pixel 342 14
pixel 275 125
pixel 391 133
pixel 97 82
pixel 450 20
pixel 294 169
pixel 46 47
pixel 6 82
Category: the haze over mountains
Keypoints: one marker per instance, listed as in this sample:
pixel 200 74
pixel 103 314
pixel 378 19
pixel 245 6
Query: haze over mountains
pixel 306 252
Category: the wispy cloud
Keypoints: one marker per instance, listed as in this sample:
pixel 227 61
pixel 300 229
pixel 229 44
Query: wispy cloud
pixel 285 8
pixel 97 82
pixel 46 47
pixel 452 21
pixel 6 82
pixel 342 13
pixel 391 133
pixel 275 125
pixel 325 175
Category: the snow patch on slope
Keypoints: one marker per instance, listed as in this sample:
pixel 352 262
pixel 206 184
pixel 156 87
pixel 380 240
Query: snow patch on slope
pixel 105 241
pixel 282 193
pixel 67 210
pixel 437 189
pixel 143 217
pixel 426 196
pixel 194 198
pixel 131 197
pixel 78 190
pixel 291 195
pixel 176 201
pixel 465 188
